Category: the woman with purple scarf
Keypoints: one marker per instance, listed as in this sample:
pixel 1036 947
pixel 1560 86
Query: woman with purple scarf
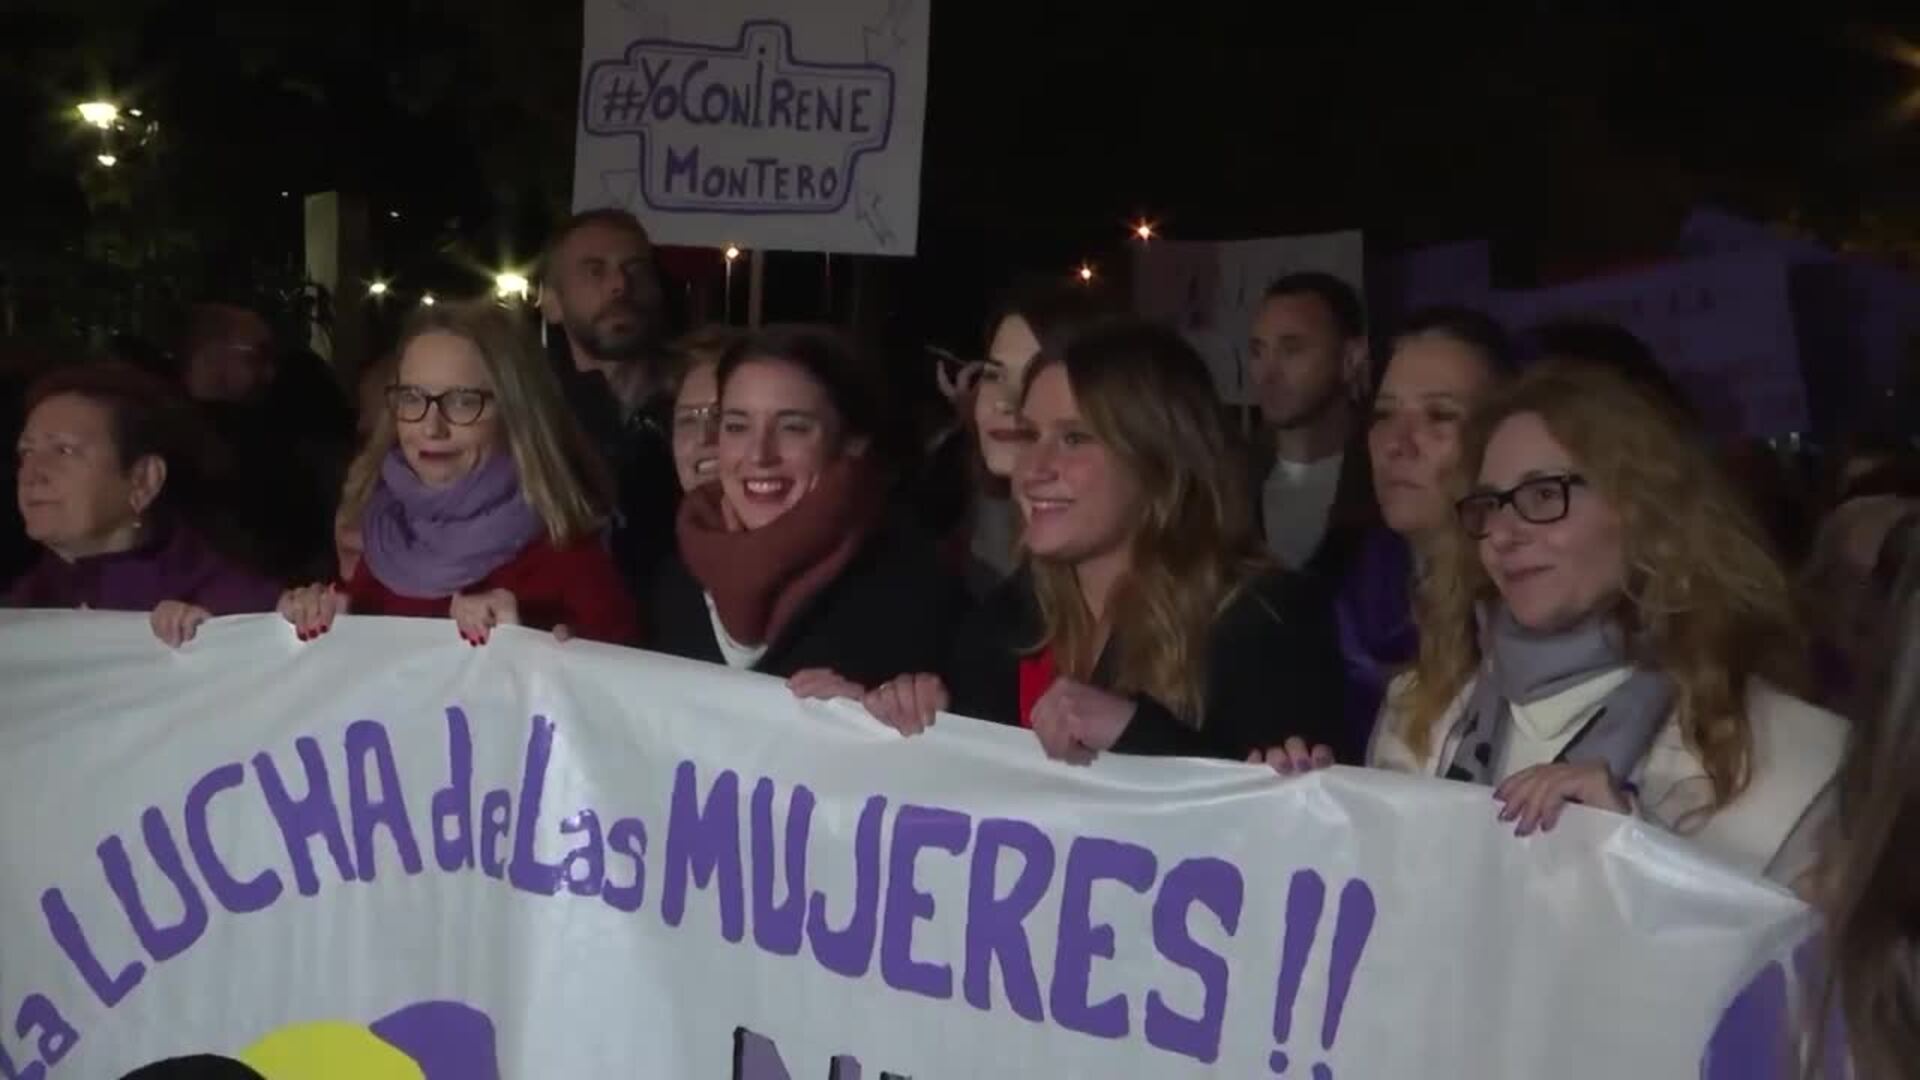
pixel 477 497
pixel 105 463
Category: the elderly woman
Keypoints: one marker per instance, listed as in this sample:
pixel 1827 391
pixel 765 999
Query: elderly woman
pixel 105 457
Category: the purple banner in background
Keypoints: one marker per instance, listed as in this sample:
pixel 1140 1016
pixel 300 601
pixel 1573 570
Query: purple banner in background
pixel 1723 326
pixel 1859 319
pixel 1400 284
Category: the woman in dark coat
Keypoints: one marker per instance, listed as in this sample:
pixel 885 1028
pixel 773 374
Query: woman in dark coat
pixel 792 560
pixel 1147 619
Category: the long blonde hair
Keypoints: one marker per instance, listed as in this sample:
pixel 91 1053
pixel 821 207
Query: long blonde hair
pixel 1150 399
pixel 561 475
pixel 1872 890
pixel 1705 599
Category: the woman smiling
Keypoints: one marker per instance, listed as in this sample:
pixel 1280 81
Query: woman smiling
pixel 1147 619
pixel 791 560
pixel 1606 626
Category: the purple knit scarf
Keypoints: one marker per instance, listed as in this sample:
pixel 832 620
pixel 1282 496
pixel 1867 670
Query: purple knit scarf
pixel 432 542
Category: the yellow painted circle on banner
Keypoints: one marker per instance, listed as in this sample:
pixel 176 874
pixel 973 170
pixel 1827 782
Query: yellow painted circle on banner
pixel 328 1050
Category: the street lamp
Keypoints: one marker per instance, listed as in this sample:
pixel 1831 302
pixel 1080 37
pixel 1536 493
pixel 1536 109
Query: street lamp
pixel 101 114
pixel 377 288
pixel 1143 231
pixel 1086 273
pixel 512 285
pixel 732 253
pixel 107 160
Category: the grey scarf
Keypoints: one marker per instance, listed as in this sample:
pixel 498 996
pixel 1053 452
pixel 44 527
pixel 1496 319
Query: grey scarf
pixel 1524 666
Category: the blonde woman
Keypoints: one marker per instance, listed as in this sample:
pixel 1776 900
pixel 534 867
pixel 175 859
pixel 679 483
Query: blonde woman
pixel 475 495
pixel 1606 626
pixel 1147 619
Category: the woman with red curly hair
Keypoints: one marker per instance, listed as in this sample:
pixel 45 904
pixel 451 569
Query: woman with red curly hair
pixel 1607 626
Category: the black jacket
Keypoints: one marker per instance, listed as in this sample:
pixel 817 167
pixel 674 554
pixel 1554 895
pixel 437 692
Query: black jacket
pixel 638 451
pixel 893 610
pixel 1273 671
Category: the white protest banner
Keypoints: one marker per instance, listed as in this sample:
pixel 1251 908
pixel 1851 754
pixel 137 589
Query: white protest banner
pixel 1211 291
pixel 1723 326
pixel 404 857
pixel 769 124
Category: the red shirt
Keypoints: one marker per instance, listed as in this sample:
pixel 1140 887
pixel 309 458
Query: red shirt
pixel 1036 678
pixel 577 585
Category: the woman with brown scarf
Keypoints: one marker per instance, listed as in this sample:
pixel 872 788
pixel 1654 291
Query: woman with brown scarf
pixel 791 561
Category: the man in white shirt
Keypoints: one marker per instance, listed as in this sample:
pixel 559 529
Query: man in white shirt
pixel 1307 362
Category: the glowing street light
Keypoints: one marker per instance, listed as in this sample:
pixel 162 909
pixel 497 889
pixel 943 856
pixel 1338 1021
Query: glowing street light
pixel 377 288
pixel 107 160
pixel 1085 273
pixel 726 306
pixel 512 285
pixel 1143 231
pixel 426 300
pixel 101 114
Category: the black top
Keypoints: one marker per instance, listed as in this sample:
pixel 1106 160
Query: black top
pixel 638 450
pixel 892 611
pixel 1273 671
pixel 290 470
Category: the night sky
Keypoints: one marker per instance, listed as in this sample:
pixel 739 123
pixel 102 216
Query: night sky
pixel 1575 141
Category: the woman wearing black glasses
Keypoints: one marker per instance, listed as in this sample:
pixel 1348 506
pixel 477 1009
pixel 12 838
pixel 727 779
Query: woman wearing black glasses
pixel 1607 627
pixel 477 497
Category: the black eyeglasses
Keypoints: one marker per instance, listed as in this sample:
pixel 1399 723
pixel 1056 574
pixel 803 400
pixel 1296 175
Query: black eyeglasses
pixel 1542 500
pixel 461 405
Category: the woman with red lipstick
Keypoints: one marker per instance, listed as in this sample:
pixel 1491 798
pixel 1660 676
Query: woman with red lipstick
pixel 1148 619
pixel 1607 626
pixel 791 561
pixel 478 498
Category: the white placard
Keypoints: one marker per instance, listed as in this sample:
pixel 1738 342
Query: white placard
pixel 769 124
pixel 1211 291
